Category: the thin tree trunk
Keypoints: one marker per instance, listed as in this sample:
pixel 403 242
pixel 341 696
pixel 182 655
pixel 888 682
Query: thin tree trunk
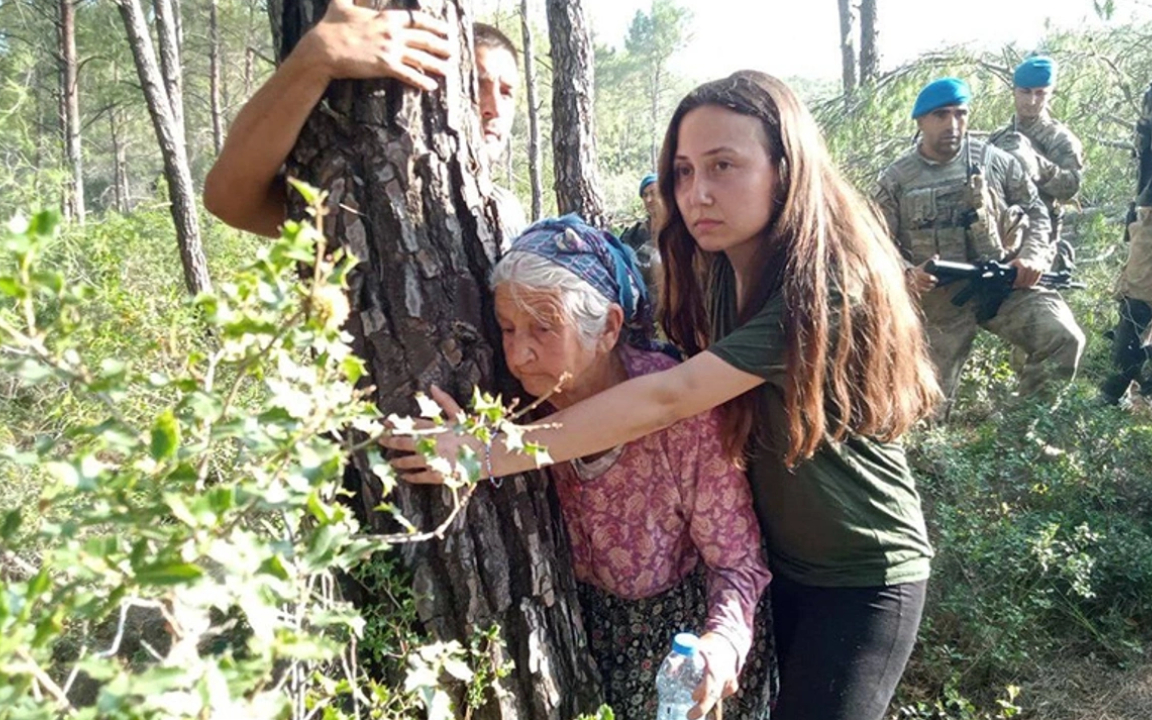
pixel 533 113
pixel 577 181
pixel 172 149
pixel 119 161
pixel 42 133
pixel 398 167
pixel 214 75
pixel 654 120
pixel 869 42
pixel 67 209
pixel 119 169
pixel 168 38
pixel 848 69
pixel 70 103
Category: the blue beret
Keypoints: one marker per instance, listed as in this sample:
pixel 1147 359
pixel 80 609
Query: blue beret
pixel 1035 72
pixel 941 93
pixel 646 181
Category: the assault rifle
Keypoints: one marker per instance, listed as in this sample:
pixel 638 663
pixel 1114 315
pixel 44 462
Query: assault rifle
pixel 990 283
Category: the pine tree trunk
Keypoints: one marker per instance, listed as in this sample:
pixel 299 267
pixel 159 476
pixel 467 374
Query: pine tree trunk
pixel 869 42
pixel 534 177
pixel 168 38
pixel 43 132
pixel 214 76
pixel 119 160
pixel 848 69
pixel 398 167
pixel 577 181
pixel 70 106
pixel 170 137
pixel 654 119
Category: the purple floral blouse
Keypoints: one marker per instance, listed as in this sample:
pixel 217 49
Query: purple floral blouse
pixel 641 517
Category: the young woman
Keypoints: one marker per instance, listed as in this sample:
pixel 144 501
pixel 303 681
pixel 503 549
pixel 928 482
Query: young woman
pixel 663 535
pixel 785 291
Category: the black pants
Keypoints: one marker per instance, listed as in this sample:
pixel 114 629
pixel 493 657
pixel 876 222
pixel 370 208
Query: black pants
pixel 842 650
pixel 1128 351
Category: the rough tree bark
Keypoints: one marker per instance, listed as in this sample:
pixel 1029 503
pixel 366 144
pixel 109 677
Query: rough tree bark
pixel 533 113
pixel 577 181
pixel 168 38
pixel 171 139
pixel 869 42
pixel 401 171
pixel 848 68
pixel 70 111
pixel 214 76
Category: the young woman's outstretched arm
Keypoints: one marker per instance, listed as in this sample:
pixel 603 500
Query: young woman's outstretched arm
pixel 623 413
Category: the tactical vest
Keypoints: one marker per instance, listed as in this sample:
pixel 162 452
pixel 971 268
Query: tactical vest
pixel 949 211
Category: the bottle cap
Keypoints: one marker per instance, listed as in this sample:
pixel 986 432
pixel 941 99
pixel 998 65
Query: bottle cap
pixel 684 644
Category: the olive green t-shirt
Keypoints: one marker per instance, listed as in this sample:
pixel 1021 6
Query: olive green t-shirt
pixel 847 517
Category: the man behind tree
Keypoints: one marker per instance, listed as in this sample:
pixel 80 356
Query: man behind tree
pixel 245 187
pixel 1051 154
pixel 945 199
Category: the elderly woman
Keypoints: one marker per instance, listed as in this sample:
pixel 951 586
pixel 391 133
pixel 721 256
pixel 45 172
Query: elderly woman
pixel 664 538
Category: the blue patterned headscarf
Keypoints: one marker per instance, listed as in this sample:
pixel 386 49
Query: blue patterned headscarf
pixel 603 261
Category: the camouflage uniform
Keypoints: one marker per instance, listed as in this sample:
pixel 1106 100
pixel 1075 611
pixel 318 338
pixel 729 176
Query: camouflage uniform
pixel 929 212
pixel 1131 345
pixel 1059 160
pixel 1130 349
pixel 641 241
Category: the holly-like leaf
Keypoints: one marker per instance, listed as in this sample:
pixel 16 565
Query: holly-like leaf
pixel 168 573
pixel 165 436
pixel 428 407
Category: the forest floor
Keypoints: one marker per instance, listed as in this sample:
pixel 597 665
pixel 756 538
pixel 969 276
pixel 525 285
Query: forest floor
pixel 1088 689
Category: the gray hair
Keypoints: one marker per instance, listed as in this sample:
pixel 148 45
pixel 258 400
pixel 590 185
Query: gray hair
pixel 581 304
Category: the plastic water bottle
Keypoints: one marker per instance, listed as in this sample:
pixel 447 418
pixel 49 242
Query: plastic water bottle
pixel 679 675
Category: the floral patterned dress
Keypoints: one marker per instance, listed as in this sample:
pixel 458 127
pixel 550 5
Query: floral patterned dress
pixel 664 539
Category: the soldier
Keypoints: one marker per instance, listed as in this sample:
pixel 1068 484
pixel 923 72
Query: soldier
pixel 947 199
pixel 641 236
pixel 1049 151
pixel 1131 348
pixel 245 187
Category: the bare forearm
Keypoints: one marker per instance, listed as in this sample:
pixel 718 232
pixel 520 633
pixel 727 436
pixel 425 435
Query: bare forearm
pixel 244 187
pixel 618 415
pixel 631 410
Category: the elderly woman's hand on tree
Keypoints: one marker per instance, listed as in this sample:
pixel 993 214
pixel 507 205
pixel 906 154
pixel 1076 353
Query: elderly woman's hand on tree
pixel 406 435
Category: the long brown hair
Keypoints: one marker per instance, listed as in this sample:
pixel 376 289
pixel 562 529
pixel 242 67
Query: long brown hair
pixel 856 358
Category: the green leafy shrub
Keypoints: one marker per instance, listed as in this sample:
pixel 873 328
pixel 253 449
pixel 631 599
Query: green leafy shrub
pixel 176 548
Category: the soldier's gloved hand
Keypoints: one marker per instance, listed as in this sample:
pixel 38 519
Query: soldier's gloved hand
pixel 1027 273
pixel 920 280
